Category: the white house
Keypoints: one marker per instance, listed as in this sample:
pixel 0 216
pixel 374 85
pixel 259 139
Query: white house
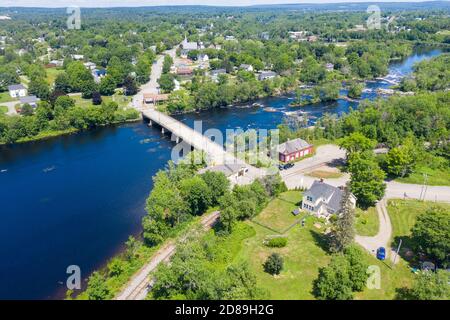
pixel 246 67
pixel 324 200
pixel 266 75
pixel 77 56
pixel 203 57
pixel 17 91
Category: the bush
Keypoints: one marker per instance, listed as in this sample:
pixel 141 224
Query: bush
pixel 277 243
pixel 273 264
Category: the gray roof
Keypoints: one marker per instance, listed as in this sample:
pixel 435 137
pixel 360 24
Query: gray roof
pixel 323 190
pixel 29 99
pixel 266 74
pixel 16 87
pixel 218 71
pixel 293 146
pixel 227 169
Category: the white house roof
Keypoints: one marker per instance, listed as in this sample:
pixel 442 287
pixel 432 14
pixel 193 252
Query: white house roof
pixel 293 146
pixel 227 169
pixel 16 87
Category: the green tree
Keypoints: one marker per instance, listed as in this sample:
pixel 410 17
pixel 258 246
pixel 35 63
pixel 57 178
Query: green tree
pixel 217 183
pixel 428 286
pixel 197 195
pixel 39 88
pixel 274 264
pixel 130 86
pixel 367 179
pixel 343 230
pixel 355 90
pixel 65 102
pixel 431 234
pixel 334 281
pixel 97 288
pixel 356 142
pixel 62 83
pixel 400 161
pixel 26 110
pixel 107 85
pixel 166 82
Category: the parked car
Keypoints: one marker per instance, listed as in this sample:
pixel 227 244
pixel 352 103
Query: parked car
pixel 281 167
pixel 381 253
pixel 288 166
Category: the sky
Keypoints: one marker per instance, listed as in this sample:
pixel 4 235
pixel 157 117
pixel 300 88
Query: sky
pixel 133 3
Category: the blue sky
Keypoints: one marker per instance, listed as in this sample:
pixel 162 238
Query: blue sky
pixel 130 3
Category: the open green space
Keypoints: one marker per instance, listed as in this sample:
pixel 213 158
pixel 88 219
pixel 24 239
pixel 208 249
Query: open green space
pixel 5 97
pixel 435 177
pixel 278 214
pixel 367 223
pixel 52 73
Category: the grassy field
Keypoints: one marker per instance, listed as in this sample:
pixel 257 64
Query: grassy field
pixel 366 222
pixel 3 109
pixel 278 214
pixel 403 214
pixel 5 97
pixel 304 255
pixel 122 101
pixel 322 174
pixel 436 177
pixel 52 73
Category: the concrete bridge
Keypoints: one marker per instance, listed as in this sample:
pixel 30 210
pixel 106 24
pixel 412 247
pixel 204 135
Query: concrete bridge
pixel 216 153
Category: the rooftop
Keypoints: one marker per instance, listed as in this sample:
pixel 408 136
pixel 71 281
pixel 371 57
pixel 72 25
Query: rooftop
pixel 16 87
pixel 292 146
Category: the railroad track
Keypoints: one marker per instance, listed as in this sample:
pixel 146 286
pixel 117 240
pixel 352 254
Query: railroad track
pixel 141 283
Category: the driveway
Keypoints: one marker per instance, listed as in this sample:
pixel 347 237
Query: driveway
pixel 11 107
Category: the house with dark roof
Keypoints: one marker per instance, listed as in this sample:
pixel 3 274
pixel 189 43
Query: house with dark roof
pixel 266 75
pixel 294 149
pixel 31 100
pixel 324 200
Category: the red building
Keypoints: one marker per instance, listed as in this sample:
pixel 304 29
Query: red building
pixel 294 149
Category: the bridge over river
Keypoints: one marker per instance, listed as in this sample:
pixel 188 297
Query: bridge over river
pixel 217 155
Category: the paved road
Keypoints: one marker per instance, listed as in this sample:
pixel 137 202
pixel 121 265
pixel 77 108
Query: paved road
pixel 139 285
pixel 152 85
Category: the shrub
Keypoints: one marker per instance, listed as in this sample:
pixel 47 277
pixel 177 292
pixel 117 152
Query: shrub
pixel 277 243
pixel 273 264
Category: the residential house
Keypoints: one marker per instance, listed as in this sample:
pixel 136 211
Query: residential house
pixel 31 100
pixel 184 71
pixel 312 38
pixel 329 67
pixel 267 75
pixel 98 74
pixel 324 200
pixel 17 90
pixel 294 149
pixel 215 74
pixel 230 38
pixel 77 57
pixel 232 171
pixel 202 57
pixel 246 67
pixel 57 63
pixel 90 65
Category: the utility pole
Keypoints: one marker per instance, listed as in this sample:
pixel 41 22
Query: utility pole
pixel 425 184
pixel 396 253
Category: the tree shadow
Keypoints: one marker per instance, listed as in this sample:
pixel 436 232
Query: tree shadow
pixel 321 240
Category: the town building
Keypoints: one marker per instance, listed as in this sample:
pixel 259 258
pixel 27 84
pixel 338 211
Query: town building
pixel 184 71
pixel 294 149
pixel 187 46
pixel 17 90
pixel 324 200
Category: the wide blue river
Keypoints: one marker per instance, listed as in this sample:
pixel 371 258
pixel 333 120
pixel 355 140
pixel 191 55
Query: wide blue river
pixel 74 200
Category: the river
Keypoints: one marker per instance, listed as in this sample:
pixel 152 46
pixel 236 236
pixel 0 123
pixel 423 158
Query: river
pixel 74 200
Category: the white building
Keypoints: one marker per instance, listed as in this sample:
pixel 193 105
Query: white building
pixel 324 200
pixel 17 91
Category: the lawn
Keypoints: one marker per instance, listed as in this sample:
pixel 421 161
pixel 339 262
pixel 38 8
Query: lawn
pixel 122 101
pixel 5 97
pixel 52 73
pixel 278 214
pixel 403 214
pixel 3 109
pixel 304 255
pixel 436 177
pixel 323 174
pixel 366 222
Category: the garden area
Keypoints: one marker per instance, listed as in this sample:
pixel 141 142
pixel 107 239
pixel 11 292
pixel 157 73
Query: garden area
pixel 366 222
